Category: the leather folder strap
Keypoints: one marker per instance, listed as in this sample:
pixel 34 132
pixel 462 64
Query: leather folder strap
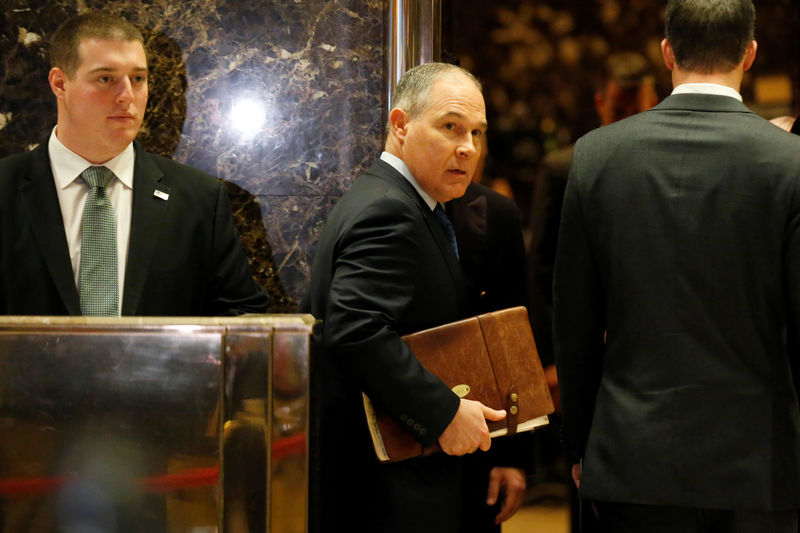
pixel 512 409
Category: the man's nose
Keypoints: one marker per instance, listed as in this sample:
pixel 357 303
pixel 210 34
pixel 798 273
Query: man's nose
pixel 468 146
pixel 125 90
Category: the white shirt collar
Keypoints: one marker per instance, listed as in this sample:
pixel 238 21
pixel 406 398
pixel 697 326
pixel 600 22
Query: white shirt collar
pixel 67 165
pixel 400 166
pixel 707 88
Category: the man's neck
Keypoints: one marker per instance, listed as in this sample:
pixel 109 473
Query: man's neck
pixel 732 79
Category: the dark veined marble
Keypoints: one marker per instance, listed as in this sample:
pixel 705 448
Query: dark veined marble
pixel 282 99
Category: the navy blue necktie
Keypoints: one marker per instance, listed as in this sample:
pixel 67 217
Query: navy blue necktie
pixel 444 220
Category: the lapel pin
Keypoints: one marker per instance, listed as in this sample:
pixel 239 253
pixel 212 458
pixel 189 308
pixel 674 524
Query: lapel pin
pixel 161 194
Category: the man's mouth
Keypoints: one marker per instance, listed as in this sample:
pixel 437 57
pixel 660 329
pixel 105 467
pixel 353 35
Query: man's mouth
pixel 457 171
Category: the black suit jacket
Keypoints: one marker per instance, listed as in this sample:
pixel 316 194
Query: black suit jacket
pixel 383 268
pixel 491 251
pixel 184 257
pixel 680 237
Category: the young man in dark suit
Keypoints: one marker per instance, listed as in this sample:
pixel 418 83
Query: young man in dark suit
pixel 676 283
pixel 175 250
pixel 386 266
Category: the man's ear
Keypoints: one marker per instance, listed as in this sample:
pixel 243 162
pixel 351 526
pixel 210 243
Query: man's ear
pixel 58 80
pixel 668 54
pixel 399 120
pixel 599 102
pixel 750 55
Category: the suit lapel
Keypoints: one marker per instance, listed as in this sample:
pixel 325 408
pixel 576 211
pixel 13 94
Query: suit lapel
pixel 386 171
pixel 39 197
pixel 147 215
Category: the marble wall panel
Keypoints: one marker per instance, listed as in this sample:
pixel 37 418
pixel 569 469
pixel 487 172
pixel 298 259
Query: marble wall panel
pixel 282 99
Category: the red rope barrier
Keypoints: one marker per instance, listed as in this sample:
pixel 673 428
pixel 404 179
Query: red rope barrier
pixel 186 479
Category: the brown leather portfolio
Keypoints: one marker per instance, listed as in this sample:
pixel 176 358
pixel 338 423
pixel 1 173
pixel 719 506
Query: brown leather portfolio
pixel 490 358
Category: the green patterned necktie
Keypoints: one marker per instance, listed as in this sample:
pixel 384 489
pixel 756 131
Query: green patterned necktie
pixel 98 277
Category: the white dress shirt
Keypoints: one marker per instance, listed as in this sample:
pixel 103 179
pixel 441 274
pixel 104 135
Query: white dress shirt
pixel 400 166
pixel 72 193
pixel 707 88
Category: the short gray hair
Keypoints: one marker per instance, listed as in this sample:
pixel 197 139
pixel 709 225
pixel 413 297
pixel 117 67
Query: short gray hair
pixel 414 87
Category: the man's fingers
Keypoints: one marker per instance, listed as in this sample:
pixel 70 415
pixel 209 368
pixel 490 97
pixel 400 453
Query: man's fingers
pixel 486 442
pixel 512 483
pixel 576 474
pixel 506 512
pixel 494 487
pixel 493 414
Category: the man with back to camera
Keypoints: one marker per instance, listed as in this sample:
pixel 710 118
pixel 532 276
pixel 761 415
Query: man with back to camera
pixel 172 248
pixel 386 266
pixel 680 243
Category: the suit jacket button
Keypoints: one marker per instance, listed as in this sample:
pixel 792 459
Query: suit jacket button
pixel 416 427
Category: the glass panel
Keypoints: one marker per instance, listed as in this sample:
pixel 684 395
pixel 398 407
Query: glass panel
pixel 134 424
pixel 109 432
pixel 289 465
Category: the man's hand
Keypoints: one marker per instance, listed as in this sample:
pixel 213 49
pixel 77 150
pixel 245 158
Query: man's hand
pixel 576 474
pixel 468 430
pixel 512 482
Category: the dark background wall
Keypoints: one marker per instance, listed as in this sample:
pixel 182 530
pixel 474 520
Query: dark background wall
pixel 540 61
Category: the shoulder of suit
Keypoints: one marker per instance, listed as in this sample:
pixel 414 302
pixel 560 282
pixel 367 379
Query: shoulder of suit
pixel 14 161
pixel 24 158
pixel 172 168
pixel 16 166
pixel 495 201
pixel 374 200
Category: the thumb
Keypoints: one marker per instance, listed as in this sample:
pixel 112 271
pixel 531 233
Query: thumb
pixel 493 414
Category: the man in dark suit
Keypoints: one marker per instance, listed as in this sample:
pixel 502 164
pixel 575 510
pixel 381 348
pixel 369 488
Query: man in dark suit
pixel 488 229
pixel 386 266
pixel 177 251
pixel 676 284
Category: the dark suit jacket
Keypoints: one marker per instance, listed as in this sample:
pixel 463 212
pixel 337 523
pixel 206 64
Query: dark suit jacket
pixel 491 250
pixel 184 257
pixel 680 237
pixel 383 268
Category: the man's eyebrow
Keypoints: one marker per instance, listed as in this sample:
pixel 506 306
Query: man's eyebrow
pixel 456 114
pixel 112 69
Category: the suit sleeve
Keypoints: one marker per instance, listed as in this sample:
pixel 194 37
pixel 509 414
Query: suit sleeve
pixel 579 318
pixel 232 289
pixel 375 265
